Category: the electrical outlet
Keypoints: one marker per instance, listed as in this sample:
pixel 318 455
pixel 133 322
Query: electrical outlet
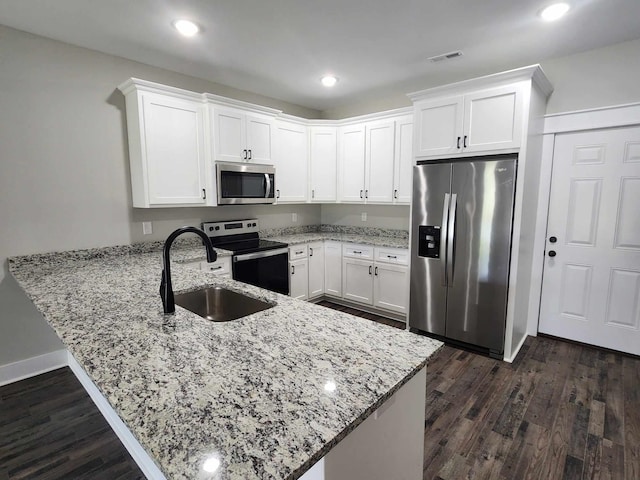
pixel 147 228
pixel 294 217
pixel 364 216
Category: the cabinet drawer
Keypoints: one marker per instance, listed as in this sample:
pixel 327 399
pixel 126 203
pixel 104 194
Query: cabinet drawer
pixel 222 266
pixel 297 251
pixel 398 256
pixel 354 250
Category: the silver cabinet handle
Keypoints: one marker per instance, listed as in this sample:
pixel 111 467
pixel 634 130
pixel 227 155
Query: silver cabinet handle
pixel 444 238
pixel 451 238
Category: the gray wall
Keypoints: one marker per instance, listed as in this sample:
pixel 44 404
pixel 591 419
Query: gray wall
pixel 64 173
pixel 596 78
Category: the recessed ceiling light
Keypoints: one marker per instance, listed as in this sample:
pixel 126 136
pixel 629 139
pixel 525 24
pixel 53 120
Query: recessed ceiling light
pixel 554 12
pixel 329 80
pixel 186 27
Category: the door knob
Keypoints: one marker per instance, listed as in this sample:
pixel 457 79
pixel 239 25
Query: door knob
pixel 553 239
pixel 552 253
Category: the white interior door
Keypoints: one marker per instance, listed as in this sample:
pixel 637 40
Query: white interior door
pixel 591 287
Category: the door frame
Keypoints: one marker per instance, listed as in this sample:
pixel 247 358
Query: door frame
pixel 625 115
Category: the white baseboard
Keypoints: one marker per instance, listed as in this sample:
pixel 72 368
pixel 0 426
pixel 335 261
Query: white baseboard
pixel 514 354
pixel 30 367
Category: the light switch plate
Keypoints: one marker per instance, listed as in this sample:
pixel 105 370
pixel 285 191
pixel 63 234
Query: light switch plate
pixel 294 217
pixel 364 216
pixel 147 228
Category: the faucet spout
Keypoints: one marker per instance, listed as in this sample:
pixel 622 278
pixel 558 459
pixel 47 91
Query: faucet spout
pixel 166 289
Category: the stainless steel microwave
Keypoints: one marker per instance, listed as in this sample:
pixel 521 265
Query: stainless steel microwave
pixel 245 183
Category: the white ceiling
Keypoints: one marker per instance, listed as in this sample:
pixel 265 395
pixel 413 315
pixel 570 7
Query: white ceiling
pixel 281 48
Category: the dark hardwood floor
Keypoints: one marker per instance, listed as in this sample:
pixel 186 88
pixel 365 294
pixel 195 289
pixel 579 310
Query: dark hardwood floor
pixel 560 411
pixel 50 429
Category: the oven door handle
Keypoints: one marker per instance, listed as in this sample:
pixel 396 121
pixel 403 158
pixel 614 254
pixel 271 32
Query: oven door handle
pixel 253 256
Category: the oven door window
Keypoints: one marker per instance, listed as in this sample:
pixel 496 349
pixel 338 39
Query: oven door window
pixel 245 185
pixel 270 272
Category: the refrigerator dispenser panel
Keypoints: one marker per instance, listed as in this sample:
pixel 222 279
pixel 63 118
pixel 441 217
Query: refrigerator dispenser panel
pixel 429 241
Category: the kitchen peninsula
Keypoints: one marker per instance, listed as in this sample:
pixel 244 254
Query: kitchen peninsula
pixel 266 396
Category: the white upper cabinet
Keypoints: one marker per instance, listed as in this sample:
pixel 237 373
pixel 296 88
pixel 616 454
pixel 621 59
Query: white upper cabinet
pixel 380 151
pixel 352 158
pixel 375 161
pixel 403 164
pixel 239 136
pixel 166 147
pixel 323 164
pixel 291 161
pixel 483 121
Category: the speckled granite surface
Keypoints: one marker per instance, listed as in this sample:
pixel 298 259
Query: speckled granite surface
pixel 370 236
pixel 249 392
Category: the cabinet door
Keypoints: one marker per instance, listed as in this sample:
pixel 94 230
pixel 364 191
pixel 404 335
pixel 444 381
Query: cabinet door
pixel 291 162
pixel 402 187
pixel 380 150
pixel 438 126
pixel 493 119
pixel 259 139
pixel 324 164
pixel 390 288
pixel 299 279
pixel 229 135
pixel 352 158
pixel 316 269
pixel 358 280
pixel 333 268
pixel 174 146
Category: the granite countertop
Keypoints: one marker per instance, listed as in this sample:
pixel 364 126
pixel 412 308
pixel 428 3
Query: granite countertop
pixel 376 241
pixel 249 392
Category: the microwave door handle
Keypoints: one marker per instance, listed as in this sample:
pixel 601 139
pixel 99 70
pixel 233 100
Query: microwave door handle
pixel 268 180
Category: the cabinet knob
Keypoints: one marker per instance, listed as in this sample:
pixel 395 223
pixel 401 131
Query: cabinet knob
pixel 552 253
pixel 553 239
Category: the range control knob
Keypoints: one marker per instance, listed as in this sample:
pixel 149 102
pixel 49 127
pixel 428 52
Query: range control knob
pixel 211 229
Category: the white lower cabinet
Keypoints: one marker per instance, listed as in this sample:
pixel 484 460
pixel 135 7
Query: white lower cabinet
pixel 390 288
pixel 376 276
pixel 316 269
pixel 299 278
pixel 333 268
pixel 358 280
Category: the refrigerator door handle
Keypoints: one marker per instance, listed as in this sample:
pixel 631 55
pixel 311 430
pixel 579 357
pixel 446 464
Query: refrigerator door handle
pixel 443 239
pixel 451 238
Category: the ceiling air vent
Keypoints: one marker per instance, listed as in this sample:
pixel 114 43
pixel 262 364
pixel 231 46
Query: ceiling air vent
pixel 445 56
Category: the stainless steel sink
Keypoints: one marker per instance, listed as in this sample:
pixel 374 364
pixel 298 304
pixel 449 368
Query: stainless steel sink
pixel 219 304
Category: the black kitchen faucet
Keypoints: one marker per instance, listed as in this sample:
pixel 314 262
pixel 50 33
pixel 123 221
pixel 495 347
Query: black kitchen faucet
pixel 166 291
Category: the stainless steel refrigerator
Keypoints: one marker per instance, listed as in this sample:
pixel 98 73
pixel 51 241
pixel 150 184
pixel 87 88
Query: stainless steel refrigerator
pixel 462 215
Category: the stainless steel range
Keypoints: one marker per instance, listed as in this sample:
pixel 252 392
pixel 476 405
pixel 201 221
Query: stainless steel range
pixel 259 262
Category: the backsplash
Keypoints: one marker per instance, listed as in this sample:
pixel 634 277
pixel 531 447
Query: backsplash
pixel 347 229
